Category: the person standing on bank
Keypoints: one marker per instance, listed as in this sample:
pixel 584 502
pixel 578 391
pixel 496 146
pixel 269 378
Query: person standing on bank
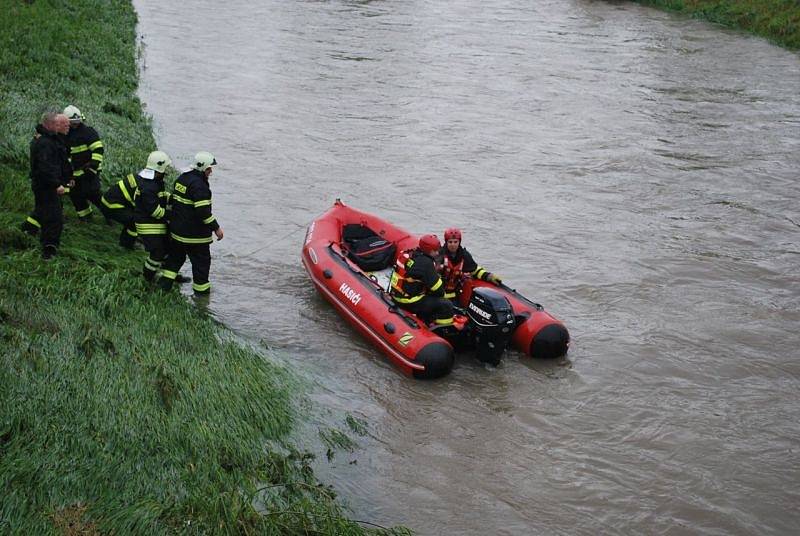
pixel 118 205
pixel 86 154
pixel 150 210
pixel 191 225
pixel 50 174
pixel 119 200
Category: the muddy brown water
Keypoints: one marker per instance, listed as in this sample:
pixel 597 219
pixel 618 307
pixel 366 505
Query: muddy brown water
pixel 635 172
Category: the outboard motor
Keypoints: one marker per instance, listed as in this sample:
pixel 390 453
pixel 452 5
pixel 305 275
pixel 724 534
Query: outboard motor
pixel 492 320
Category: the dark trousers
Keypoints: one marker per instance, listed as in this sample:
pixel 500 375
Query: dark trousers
pixel 124 216
pixel 431 309
pixel 47 217
pixel 200 257
pixel 156 247
pixel 86 189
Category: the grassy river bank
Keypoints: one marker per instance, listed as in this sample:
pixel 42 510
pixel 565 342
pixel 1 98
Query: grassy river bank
pixel 776 20
pixel 123 411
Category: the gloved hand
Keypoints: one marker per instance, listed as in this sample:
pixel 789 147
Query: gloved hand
pixel 494 278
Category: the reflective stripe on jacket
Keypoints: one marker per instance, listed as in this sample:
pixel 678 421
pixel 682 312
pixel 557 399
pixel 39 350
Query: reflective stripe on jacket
pixel 86 150
pixel 121 194
pixel 191 220
pixel 150 206
pixel 414 277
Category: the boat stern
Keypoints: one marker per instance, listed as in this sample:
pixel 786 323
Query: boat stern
pixel 550 342
pixel 437 358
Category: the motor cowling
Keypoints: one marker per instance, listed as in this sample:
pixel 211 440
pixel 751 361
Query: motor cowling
pixel 491 320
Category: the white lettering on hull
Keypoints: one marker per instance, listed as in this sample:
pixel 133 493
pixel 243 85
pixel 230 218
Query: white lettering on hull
pixel 350 294
pixel 310 232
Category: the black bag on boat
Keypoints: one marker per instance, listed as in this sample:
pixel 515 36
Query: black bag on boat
pixel 368 250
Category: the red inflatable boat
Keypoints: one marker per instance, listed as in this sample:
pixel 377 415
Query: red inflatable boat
pixel 354 278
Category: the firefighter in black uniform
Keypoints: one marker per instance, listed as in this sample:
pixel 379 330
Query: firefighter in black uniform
pixel 86 154
pixel 416 285
pixel 50 174
pixel 191 225
pixel 150 210
pixel 118 205
pixel 457 263
pixel 118 201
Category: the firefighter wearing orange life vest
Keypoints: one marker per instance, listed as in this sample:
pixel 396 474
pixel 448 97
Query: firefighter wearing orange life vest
pixel 416 285
pixel 457 263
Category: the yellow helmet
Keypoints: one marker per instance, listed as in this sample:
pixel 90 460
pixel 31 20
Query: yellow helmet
pixel 158 161
pixel 204 160
pixel 74 114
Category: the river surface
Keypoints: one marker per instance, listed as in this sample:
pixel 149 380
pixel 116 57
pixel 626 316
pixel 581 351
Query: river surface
pixel 633 171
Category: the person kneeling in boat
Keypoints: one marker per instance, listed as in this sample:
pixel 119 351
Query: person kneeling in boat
pixel 456 263
pixel 417 287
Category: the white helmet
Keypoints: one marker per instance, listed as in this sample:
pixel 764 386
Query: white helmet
pixel 158 161
pixel 204 160
pixel 74 114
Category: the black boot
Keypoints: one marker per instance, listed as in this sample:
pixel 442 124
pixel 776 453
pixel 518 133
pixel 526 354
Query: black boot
pixel 31 229
pixel 149 275
pixel 182 279
pixel 165 284
pixel 48 252
pixel 127 242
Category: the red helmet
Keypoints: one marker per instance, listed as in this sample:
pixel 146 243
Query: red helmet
pixel 429 243
pixel 452 233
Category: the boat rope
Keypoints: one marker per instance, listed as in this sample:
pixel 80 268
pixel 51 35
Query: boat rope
pixel 281 238
pixel 519 296
pixel 278 240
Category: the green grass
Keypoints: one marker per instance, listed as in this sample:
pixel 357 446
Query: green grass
pixel 123 410
pixel 776 20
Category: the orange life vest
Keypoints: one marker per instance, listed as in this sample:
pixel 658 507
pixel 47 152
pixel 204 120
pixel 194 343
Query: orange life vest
pixel 452 274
